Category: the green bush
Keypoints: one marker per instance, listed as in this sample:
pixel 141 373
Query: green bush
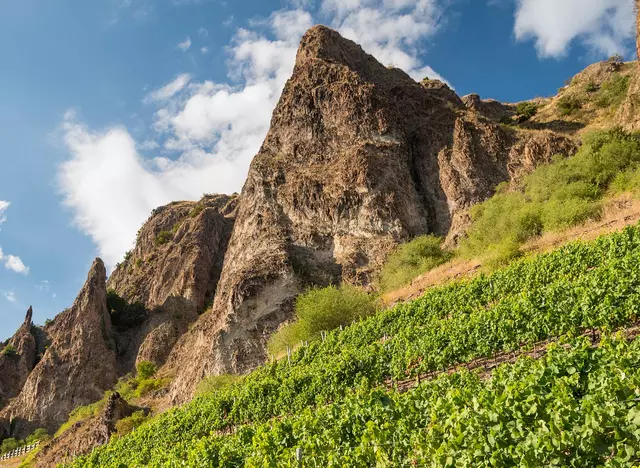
pixel 39 435
pixel 163 237
pixel 613 91
pixel 124 315
pixel 9 444
pixel 412 259
pixel 323 309
pixel 591 87
pixel 147 386
pixel 196 210
pixel 213 383
pixel 526 110
pixel 569 105
pixel 9 350
pixel 145 370
pixel 555 196
pixel 126 425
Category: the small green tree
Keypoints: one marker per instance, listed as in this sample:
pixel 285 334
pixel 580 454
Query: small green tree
pixel 8 445
pixel 39 435
pixel 568 105
pixel 9 350
pixel 526 110
pixel 323 309
pixel 145 370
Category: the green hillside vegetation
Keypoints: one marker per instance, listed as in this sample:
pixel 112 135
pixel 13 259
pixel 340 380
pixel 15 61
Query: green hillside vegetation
pixel 323 309
pixel 555 196
pixel 128 387
pixel 575 407
pixel 412 259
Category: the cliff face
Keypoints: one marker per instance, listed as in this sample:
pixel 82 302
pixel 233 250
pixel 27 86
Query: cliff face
pixel 179 253
pixel 173 271
pixel 83 436
pixel 358 158
pixel 77 367
pixel 17 359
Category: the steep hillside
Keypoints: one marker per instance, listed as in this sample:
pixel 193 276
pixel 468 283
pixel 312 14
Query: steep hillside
pixel 603 95
pixel 359 157
pixel 576 406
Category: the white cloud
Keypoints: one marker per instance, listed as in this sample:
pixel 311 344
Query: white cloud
pixel 170 89
pixel 184 45
pixel 3 208
pixel 13 263
pixel 43 286
pixel 204 50
pixel 390 30
pixel 10 296
pixel 602 25
pixel 203 32
pixel 210 131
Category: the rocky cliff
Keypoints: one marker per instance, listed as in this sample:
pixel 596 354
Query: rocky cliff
pixel 173 272
pixel 359 157
pixel 76 368
pixel 83 436
pixel 17 358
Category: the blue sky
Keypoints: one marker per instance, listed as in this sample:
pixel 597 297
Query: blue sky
pixel 110 108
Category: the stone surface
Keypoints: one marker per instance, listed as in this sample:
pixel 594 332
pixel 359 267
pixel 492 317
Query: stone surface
pixel 359 157
pixel 15 368
pixel 77 367
pixel 173 270
pixel 83 436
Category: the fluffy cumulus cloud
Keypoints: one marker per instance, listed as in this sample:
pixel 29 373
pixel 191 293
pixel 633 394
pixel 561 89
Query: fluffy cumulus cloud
pixel 206 133
pixel 604 26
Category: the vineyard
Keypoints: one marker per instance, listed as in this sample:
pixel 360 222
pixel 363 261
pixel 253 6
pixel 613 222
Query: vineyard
pixel 576 406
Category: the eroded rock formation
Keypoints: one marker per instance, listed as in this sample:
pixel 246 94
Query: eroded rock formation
pixel 359 157
pixel 173 271
pixel 17 359
pixel 83 436
pixel 76 368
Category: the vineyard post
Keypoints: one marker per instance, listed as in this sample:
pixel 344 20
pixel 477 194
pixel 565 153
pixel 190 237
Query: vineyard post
pixel 299 456
pixel 288 355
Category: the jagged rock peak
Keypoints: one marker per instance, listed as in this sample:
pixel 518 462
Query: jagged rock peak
pixel 76 369
pixel 358 158
pixel 28 320
pixel 27 323
pixel 323 43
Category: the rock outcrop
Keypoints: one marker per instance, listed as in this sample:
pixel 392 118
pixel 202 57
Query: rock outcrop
pixel 17 359
pixel 359 157
pixel 76 368
pixel 83 436
pixel 489 108
pixel 173 271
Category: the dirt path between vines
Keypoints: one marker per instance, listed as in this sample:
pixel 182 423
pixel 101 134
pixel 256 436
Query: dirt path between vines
pixel 617 214
pixel 487 365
